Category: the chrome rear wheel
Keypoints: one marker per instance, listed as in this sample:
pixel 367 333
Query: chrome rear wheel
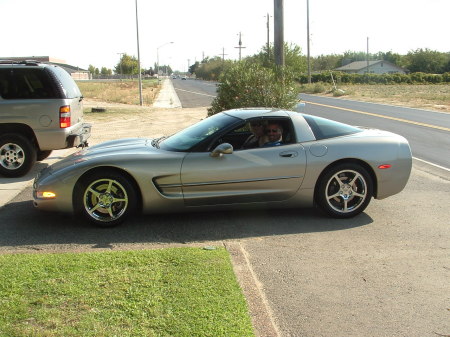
pixel 345 190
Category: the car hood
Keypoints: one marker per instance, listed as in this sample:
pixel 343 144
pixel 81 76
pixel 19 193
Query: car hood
pixel 131 147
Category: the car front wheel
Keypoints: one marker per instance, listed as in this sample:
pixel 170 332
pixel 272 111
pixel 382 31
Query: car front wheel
pixel 105 198
pixel 17 155
pixel 344 190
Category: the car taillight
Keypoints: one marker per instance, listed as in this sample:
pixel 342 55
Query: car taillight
pixel 64 116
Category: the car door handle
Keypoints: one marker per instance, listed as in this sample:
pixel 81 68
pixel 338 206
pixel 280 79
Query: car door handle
pixel 289 154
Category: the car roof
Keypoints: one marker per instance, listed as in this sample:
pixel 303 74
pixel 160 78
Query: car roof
pixel 246 113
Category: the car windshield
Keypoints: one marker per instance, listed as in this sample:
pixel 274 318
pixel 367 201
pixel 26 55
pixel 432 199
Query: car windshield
pixel 187 138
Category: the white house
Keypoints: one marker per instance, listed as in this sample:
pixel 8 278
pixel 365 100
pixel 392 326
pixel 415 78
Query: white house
pixel 375 67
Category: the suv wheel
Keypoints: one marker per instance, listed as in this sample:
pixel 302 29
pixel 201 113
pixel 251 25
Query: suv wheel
pixel 17 155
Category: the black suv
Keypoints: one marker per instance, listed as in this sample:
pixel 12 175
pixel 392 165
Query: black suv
pixel 41 110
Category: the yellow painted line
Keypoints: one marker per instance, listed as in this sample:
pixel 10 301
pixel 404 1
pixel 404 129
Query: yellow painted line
pixel 382 116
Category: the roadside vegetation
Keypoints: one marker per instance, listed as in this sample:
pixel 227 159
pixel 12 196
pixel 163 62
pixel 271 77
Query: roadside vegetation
pixel 124 92
pixel 424 96
pixel 246 84
pixel 169 292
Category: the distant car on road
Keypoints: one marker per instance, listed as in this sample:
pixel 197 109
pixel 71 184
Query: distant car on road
pixel 207 167
pixel 184 77
pixel 41 110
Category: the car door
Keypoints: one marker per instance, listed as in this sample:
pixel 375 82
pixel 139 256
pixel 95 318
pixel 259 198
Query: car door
pixel 244 176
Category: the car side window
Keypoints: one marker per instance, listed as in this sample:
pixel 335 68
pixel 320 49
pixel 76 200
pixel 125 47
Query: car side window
pixel 258 128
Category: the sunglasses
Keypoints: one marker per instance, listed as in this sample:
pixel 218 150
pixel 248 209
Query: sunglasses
pixel 272 130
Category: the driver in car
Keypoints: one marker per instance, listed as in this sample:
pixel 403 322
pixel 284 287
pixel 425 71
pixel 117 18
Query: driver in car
pixel 274 133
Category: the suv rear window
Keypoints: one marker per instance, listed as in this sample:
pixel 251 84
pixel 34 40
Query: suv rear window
pixel 69 86
pixel 26 83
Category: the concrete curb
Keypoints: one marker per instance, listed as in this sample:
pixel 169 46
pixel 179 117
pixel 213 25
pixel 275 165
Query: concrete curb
pixel 167 97
pixel 260 312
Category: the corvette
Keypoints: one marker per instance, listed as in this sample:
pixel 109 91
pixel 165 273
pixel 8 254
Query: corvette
pixel 320 162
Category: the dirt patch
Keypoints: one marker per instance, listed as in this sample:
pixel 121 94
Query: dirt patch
pixel 125 121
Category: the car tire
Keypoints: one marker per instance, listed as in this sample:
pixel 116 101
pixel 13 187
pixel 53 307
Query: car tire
pixel 41 155
pixel 17 155
pixel 106 199
pixel 344 190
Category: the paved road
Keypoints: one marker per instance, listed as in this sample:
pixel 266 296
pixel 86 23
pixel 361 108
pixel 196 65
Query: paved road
pixel 194 93
pixel 428 132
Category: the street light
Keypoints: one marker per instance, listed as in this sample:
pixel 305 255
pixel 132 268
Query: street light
pixel 120 64
pixel 157 56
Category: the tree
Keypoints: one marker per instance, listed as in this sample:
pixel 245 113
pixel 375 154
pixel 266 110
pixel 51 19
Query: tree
pixel 106 71
pixel 293 58
pixel 391 57
pixel 326 62
pixel 427 61
pixel 91 69
pixel 211 68
pixel 193 68
pixel 127 65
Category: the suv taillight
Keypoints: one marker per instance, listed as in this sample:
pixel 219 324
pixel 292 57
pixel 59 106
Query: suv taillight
pixel 64 116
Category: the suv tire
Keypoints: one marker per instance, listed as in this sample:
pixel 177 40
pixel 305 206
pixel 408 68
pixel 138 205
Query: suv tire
pixel 41 155
pixel 17 155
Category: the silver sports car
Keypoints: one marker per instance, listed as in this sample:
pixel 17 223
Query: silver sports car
pixel 314 161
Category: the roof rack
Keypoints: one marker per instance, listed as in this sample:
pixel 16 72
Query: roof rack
pixel 26 62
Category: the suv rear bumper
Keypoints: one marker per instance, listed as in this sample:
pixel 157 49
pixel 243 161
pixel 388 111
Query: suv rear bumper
pixel 80 139
pixel 76 135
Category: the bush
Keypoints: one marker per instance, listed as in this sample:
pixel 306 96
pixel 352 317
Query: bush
pixel 247 84
pixel 413 78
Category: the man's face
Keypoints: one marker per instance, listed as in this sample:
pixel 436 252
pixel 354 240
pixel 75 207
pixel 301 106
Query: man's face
pixel 273 132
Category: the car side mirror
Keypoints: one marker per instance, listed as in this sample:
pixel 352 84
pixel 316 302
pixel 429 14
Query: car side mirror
pixel 222 149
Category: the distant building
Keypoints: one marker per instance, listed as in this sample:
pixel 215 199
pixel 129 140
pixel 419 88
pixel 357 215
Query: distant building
pixel 76 72
pixel 375 67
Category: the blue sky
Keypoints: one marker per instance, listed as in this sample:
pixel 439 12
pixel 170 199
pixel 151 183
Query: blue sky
pixel 87 32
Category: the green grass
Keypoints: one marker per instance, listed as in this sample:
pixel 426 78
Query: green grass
pixel 168 292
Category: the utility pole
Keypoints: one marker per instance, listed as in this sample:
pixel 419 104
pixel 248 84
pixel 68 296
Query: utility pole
pixel 367 56
pixel 189 61
pixel 240 46
pixel 223 54
pixel 307 32
pixel 268 39
pixel 278 32
pixel 139 57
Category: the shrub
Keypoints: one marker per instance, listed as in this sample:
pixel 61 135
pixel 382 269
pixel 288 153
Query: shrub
pixel 413 78
pixel 246 84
